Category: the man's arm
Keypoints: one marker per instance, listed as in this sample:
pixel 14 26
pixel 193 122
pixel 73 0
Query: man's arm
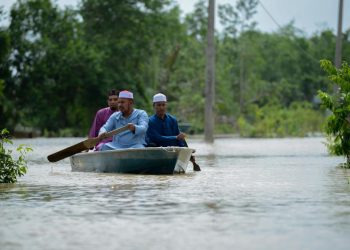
pixel 142 123
pixel 156 137
pixel 109 125
pixel 180 136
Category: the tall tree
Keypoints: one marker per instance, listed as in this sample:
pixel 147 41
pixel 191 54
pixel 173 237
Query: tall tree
pixel 139 41
pixel 5 107
pixel 55 73
pixel 238 20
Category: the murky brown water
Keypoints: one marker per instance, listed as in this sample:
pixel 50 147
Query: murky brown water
pixel 250 194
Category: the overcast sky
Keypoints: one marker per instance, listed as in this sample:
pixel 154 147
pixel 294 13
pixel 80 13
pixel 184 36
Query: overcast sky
pixel 308 15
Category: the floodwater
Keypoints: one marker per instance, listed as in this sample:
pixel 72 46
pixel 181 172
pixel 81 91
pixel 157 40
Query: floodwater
pixel 250 194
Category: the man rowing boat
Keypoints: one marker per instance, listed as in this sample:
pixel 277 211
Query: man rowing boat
pixel 135 119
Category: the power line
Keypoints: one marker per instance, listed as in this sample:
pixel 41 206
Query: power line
pixel 279 26
pixel 268 13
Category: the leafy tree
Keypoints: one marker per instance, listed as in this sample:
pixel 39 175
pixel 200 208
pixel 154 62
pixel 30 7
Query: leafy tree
pixel 139 40
pixel 189 72
pixel 10 169
pixel 52 66
pixel 197 22
pixel 57 65
pixel 240 21
pixel 4 71
pixel 338 123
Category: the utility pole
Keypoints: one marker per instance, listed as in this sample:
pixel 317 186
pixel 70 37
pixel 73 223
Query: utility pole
pixel 338 47
pixel 210 76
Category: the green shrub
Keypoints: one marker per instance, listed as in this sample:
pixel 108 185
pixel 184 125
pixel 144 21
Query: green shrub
pixel 273 120
pixel 10 169
pixel 338 124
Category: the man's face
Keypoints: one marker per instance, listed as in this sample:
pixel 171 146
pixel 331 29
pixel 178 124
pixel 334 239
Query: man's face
pixel 113 102
pixel 160 108
pixel 125 105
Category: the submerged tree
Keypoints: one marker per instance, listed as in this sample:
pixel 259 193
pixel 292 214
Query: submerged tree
pixel 338 123
pixel 10 168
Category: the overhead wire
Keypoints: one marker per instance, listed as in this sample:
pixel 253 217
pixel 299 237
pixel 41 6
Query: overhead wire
pixel 279 26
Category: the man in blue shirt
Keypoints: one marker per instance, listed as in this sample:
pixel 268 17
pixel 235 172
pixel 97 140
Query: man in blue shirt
pixel 163 129
pixel 135 119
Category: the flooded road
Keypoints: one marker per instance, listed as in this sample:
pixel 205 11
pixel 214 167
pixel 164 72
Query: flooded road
pixel 250 194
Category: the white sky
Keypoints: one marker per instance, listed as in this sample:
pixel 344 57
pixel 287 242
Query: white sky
pixel 308 15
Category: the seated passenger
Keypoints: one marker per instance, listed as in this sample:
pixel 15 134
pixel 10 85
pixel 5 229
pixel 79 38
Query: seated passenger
pixel 135 119
pixel 102 116
pixel 163 129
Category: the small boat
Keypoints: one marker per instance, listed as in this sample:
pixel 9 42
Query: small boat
pixel 152 160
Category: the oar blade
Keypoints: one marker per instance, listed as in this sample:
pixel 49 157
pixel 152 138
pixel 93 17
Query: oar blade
pixel 64 153
pixel 81 146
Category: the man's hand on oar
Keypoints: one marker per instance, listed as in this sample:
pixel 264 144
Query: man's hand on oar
pixel 84 145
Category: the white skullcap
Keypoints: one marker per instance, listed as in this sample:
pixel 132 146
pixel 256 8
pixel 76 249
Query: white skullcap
pixel 126 94
pixel 159 98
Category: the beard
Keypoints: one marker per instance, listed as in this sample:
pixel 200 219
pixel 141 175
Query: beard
pixel 114 108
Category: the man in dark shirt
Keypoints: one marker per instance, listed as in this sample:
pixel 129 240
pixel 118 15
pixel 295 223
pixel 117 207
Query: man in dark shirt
pixel 163 129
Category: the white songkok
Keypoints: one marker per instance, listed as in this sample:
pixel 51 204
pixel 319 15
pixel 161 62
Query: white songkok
pixel 159 98
pixel 126 94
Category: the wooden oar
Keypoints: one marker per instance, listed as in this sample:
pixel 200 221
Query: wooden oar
pixel 193 160
pixel 81 146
